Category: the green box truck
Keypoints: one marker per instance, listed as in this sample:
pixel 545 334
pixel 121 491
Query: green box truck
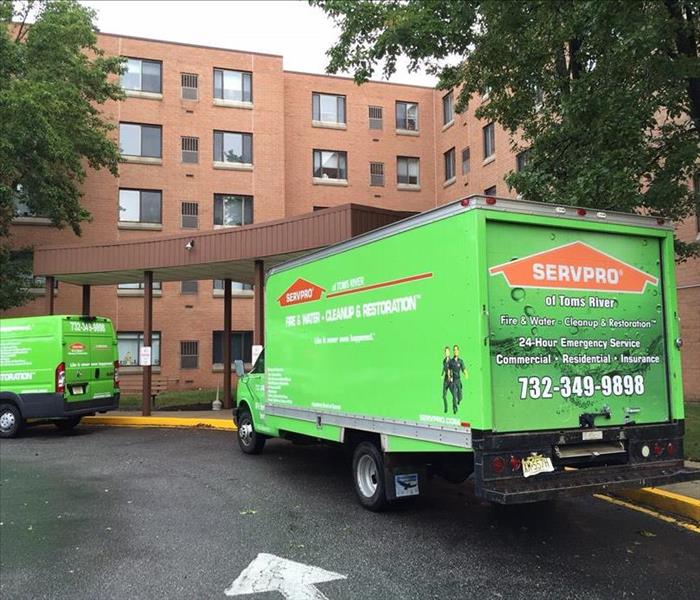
pixel 56 368
pixel 534 347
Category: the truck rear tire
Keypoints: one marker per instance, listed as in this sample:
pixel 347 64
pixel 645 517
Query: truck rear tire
pixel 11 422
pixel 67 424
pixel 249 441
pixel 368 475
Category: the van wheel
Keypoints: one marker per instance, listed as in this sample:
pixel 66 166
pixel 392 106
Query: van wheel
pixel 67 424
pixel 249 440
pixel 11 422
pixel 368 473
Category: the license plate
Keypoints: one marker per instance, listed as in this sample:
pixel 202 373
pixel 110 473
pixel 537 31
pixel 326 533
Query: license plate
pixel 532 465
pixel 78 389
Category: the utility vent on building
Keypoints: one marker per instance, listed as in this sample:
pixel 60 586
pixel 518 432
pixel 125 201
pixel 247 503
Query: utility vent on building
pixel 376 173
pixel 189 287
pixel 189 354
pixel 189 86
pixel 190 215
pixel 375 117
pixel 190 149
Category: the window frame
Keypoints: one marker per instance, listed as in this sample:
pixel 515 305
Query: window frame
pixel 141 126
pixel 449 97
pixel 489 140
pixel 194 345
pixel 140 191
pixel 243 74
pixel 450 164
pixel 408 175
pixel 340 99
pixel 244 199
pixel 144 60
pixel 372 181
pixel 195 152
pixel 219 347
pixel 376 120
pixel 183 215
pixel 155 361
pixel 341 154
pixel 192 291
pixel 466 160
pixel 407 103
pixel 223 135
pixel 184 87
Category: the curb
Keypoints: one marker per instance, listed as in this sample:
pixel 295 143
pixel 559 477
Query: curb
pixel 114 421
pixel 664 500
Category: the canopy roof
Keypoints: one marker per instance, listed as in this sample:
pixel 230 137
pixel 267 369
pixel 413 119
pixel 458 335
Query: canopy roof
pixel 228 253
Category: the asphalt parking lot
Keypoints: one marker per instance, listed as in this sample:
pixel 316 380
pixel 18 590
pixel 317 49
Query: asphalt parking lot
pixel 154 513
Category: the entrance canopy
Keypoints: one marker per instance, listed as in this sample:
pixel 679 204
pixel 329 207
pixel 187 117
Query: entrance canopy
pixel 228 253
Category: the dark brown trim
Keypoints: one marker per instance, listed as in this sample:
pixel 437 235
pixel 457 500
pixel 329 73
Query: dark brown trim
pixel 147 340
pixel 86 300
pixel 227 343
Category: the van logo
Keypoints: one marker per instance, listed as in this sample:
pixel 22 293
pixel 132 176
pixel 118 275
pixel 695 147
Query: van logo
pixel 575 266
pixel 77 347
pixel 299 292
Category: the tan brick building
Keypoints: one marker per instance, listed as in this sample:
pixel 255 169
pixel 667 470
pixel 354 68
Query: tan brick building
pixel 216 138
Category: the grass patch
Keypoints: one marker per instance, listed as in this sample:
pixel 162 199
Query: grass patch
pixel 692 430
pixel 170 399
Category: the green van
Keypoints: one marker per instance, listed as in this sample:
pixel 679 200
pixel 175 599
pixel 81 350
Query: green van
pixel 56 368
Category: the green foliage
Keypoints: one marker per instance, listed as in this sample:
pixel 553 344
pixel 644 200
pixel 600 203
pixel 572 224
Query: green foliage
pixel 604 94
pixel 53 79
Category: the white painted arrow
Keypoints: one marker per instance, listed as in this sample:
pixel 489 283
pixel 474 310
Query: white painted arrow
pixel 295 581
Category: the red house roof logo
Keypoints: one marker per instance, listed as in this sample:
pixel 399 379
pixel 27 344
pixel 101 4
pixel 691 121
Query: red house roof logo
pixel 299 292
pixel 77 347
pixel 575 266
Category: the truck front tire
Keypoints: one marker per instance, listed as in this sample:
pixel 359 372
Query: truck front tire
pixel 11 422
pixel 368 474
pixel 249 441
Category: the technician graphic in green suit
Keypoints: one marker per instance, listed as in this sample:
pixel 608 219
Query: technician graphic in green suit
pixel 457 369
pixel 446 376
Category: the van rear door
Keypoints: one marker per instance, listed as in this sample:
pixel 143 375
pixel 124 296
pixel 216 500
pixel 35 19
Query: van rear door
pixel 576 326
pixel 90 354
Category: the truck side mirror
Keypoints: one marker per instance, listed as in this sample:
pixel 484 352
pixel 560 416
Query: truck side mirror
pixel 240 371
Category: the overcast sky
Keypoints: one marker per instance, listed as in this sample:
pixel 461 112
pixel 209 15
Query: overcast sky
pixel 292 28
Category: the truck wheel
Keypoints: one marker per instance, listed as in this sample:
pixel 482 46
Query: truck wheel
pixel 11 422
pixel 368 473
pixel 249 440
pixel 67 424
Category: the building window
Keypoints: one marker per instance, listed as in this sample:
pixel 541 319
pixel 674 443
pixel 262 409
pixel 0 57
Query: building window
pixel 20 202
pixel 407 170
pixel 189 287
pixel 142 76
pixel 407 116
pixel 140 206
pixel 465 161
pixel 130 344
pixel 138 286
pixel 328 108
pixel 189 212
pixel 376 174
pixel 490 191
pixel 236 86
pixel 489 140
pixel 232 211
pixel 190 149
pixel 37 282
pixel 140 140
pixel 330 164
pixel 448 114
pixel 241 346
pixel 449 164
pixel 231 147
pixel 236 286
pixel 189 354
pixel 190 86
pixel 376 119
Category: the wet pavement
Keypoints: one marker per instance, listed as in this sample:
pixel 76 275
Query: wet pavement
pixel 153 513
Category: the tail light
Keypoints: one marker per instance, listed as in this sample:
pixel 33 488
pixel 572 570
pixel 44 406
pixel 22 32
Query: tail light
pixel 515 463
pixel 671 449
pixel 116 374
pixel 61 378
pixel 658 449
pixel 498 464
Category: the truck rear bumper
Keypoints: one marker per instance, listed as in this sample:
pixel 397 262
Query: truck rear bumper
pixel 585 481
pixel 52 406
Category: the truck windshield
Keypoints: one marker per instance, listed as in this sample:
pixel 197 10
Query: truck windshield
pixel 259 366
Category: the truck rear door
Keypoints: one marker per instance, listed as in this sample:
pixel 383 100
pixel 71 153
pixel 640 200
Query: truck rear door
pixel 576 325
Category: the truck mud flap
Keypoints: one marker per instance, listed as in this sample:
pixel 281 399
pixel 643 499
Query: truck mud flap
pixel 583 481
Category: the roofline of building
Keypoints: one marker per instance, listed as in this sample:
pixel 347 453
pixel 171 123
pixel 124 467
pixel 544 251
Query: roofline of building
pixel 375 81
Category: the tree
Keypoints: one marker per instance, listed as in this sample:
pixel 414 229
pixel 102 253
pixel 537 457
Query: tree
pixel 53 78
pixel 604 95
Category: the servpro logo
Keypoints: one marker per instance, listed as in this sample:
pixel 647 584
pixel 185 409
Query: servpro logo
pixel 77 347
pixel 299 292
pixel 575 266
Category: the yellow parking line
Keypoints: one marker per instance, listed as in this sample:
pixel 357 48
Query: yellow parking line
pixel 648 511
pixel 116 421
